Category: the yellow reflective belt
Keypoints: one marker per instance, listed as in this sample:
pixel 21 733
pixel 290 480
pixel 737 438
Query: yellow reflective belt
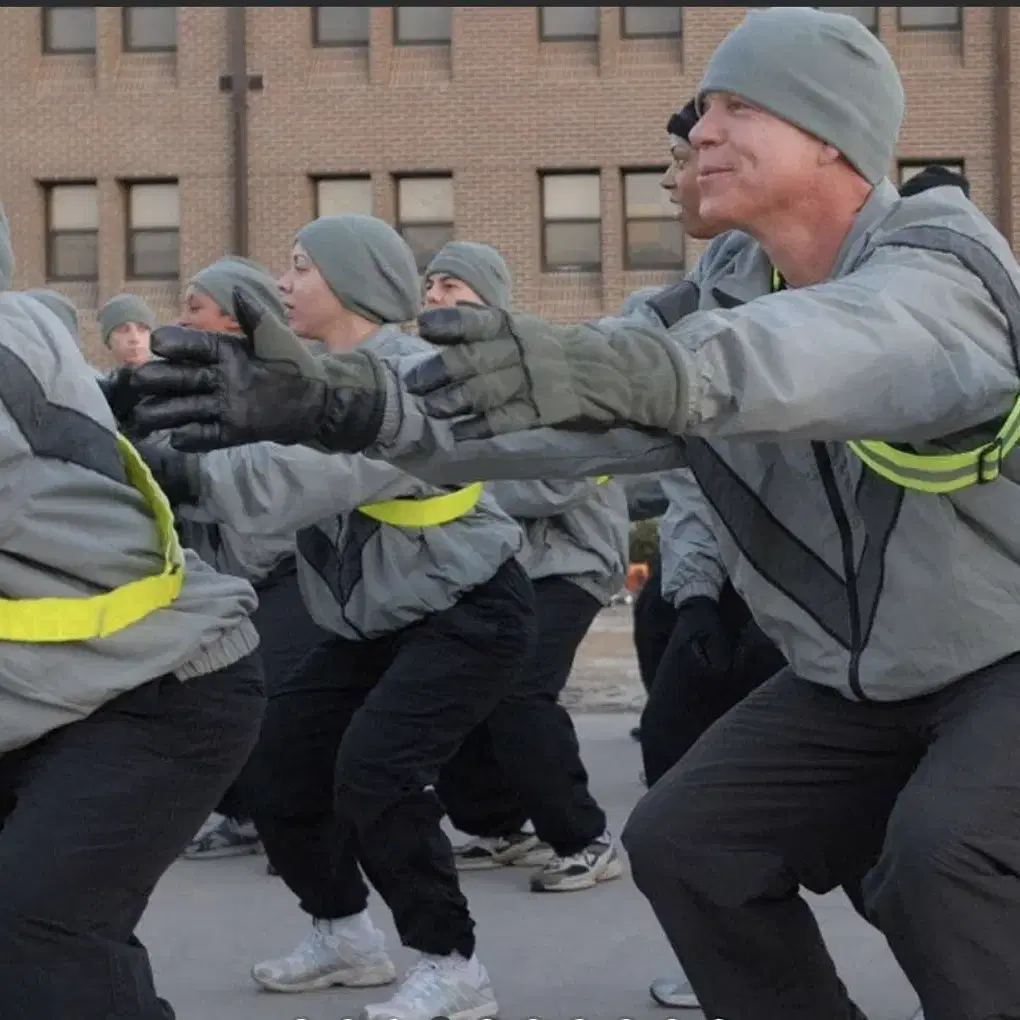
pixel 603 479
pixel 936 473
pixel 60 620
pixel 427 512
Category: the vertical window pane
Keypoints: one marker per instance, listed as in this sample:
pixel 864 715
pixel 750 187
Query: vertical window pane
pixel 425 200
pixel 154 205
pixel 69 29
pixel 337 196
pixel 424 24
pixel 571 196
pixel 342 26
pixel 150 28
pixel 647 22
pixel 569 22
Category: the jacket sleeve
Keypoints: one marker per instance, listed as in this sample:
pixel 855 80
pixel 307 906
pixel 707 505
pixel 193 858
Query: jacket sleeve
pixel 691 564
pixel 424 446
pixel 540 499
pixel 645 498
pixel 270 489
pixel 908 348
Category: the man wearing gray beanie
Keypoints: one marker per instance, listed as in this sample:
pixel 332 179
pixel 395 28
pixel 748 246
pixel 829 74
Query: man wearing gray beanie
pixel 844 395
pixel 126 323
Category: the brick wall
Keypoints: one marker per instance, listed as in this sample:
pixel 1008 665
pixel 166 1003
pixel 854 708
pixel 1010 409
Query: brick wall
pixel 493 108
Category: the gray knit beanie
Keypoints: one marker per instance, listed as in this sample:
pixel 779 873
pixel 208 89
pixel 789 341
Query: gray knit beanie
pixel 219 280
pixel 62 307
pixel 825 73
pixel 122 309
pixel 480 266
pixel 366 264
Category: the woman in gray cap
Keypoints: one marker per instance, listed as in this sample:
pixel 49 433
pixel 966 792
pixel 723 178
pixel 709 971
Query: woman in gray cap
pixel 286 630
pixel 524 762
pixel 430 616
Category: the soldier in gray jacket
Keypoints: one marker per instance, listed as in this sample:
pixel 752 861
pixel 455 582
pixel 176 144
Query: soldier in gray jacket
pixel 524 761
pixel 843 321
pixel 128 679
pixel 286 629
pixel 432 618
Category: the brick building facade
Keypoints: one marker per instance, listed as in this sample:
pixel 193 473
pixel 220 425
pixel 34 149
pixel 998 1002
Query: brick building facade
pixel 130 139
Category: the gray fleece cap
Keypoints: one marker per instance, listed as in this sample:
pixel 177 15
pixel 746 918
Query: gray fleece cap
pixel 122 309
pixel 62 307
pixel 366 264
pixel 480 266
pixel 219 280
pixel 825 73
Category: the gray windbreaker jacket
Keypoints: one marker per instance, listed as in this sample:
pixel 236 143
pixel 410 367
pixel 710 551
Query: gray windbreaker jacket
pixel 577 530
pixel 360 579
pixel 691 561
pixel 877 591
pixel 72 527
pixel 229 550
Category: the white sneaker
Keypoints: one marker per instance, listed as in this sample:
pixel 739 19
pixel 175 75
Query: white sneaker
pixel 597 862
pixel 349 952
pixel 440 986
pixel 523 849
pixel 223 838
pixel 674 993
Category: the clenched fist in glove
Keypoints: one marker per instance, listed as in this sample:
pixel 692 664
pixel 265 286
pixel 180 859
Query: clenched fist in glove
pixel 216 390
pixel 510 372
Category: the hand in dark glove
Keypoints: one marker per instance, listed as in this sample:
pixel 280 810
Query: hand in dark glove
pixel 216 390
pixel 120 394
pixel 507 372
pixel 700 628
pixel 177 473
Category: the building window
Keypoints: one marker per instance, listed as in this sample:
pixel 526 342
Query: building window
pixel 569 24
pixel 653 236
pixel 154 219
pixel 908 168
pixel 150 29
pixel 72 231
pixel 930 17
pixel 340 26
pixel 69 29
pixel 571 222
pixel 429 26
pixel 867 16
pixel 650 22
pixel 425 214
pixel 337 196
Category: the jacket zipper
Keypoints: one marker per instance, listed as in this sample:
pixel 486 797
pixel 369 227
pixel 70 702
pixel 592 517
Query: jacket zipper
pixel 824 462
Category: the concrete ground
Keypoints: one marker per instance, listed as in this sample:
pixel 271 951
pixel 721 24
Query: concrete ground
pixel 575 956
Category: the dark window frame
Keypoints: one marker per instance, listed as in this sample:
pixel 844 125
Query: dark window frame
pixel 330 44
pixel 628 265
pixel 49 187
pixel 544 221
pixel 624 34
pixel 545 38
pixel 47 32
pixel 130 271
pixel 398 41
pixel 125 34
pixel 957 26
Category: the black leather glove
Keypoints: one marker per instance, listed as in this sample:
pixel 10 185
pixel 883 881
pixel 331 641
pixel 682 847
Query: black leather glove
pixel 216 390
pixel 177 473
pixel 120 394
pixel 699 626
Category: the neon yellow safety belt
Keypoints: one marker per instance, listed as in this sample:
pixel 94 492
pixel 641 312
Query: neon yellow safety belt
pixel 433 511
pixel 936 473
pixel 430 512
pixel 62 620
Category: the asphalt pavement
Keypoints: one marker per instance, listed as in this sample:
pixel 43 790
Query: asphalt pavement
pixel 571 956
